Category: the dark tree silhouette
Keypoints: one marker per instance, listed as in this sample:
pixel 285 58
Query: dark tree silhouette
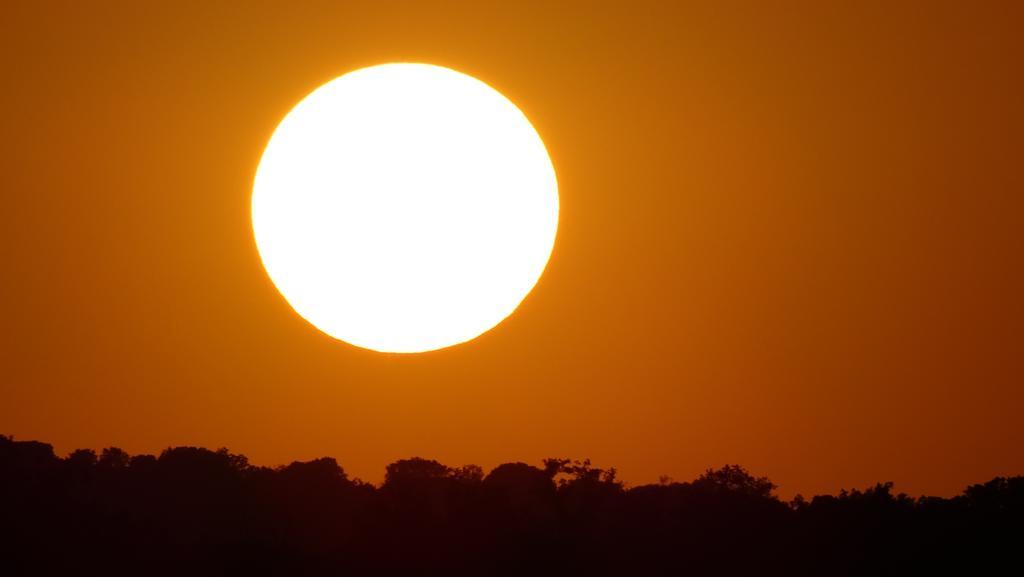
pixel 193 511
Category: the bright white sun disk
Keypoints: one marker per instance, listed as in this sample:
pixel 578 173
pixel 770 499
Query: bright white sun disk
pixel 405 207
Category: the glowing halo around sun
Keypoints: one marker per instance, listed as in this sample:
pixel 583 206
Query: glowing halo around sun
pixel 405 207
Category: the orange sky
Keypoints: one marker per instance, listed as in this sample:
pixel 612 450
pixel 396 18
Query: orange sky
pixel 790 238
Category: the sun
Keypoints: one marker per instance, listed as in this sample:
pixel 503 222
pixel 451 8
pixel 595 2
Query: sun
pixel 405 207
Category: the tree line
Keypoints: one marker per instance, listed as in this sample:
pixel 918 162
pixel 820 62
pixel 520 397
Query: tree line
pixel 195 511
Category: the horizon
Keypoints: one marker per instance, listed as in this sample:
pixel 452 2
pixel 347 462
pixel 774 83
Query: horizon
pixel 777 491
pixel 204 512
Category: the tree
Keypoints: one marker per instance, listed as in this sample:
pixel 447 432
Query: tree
pixel 113 458
pixel 735 479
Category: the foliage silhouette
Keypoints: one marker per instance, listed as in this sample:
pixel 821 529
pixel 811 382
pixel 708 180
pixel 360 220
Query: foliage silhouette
pixel 193 511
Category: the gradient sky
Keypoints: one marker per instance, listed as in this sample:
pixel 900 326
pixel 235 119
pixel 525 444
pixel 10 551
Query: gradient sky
pixel 791 238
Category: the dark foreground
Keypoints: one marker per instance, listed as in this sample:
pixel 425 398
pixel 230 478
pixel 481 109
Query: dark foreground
pixel 192 511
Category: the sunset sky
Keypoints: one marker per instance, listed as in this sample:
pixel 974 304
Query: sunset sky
pixel 790 237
